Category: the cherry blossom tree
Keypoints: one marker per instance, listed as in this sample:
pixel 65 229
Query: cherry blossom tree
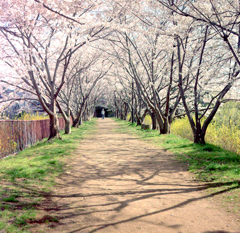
pixel 145 59
pixel 85 83
pixel 83 77
pixel 213 35
pixel 160 56
pixel 39 74
pixel 205 50
pixel 39 43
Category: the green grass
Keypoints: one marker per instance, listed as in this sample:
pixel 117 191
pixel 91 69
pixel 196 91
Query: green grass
pixel 25 179
pixel 209 163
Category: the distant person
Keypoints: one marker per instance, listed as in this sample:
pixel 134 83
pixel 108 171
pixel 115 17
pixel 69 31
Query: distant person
pixel 103 113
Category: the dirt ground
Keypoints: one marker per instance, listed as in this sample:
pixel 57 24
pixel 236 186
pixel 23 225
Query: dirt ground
pixel 117 183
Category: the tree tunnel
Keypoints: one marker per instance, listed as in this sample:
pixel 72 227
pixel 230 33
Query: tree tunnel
pixel 98 110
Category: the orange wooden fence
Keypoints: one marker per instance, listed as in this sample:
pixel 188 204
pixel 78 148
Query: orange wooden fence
pixel 17 135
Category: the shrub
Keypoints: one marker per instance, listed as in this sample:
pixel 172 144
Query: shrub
pixel 128 117
pixel 217 134
pixel 182 128
pixel 147 120
pixel 224 136
pixel 30 117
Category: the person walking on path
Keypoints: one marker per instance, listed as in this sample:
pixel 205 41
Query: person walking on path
pixel 103 113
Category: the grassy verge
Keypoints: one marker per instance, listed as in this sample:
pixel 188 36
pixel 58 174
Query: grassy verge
pixel 27 178
pixel 209 163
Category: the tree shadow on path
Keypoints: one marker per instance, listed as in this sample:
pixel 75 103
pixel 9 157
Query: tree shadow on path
pixel 117 180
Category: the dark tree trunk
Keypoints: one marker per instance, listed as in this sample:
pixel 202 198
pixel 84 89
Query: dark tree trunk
pixel 199 133
pixel 121 114
pixel 126 107
pixel 199 137
pixel 154 121
pixel 138 118
pixel 76 121
pixel 165 129
pixel 139 121
pixel 163 123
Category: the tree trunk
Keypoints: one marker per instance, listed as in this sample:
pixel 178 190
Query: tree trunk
pixel 54 127
pixel 199 137
pixel 80 121
pixel 166 128
pixel 85 116
pixel 126 107
pixel 54 124
pixel 121 114
pixel 67 126
pixel 138 117
pixel 163 123
pixel 199 133
pixel 76 121
pixel 154 121
pixel 139 122
pixel 67 119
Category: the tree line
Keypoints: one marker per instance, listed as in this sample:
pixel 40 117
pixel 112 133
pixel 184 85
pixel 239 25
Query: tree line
pixel 167 58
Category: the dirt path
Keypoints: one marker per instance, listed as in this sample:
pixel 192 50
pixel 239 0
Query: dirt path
pixel 117 183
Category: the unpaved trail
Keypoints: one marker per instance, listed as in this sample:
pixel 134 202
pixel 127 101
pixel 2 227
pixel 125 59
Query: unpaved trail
pixel 117 183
